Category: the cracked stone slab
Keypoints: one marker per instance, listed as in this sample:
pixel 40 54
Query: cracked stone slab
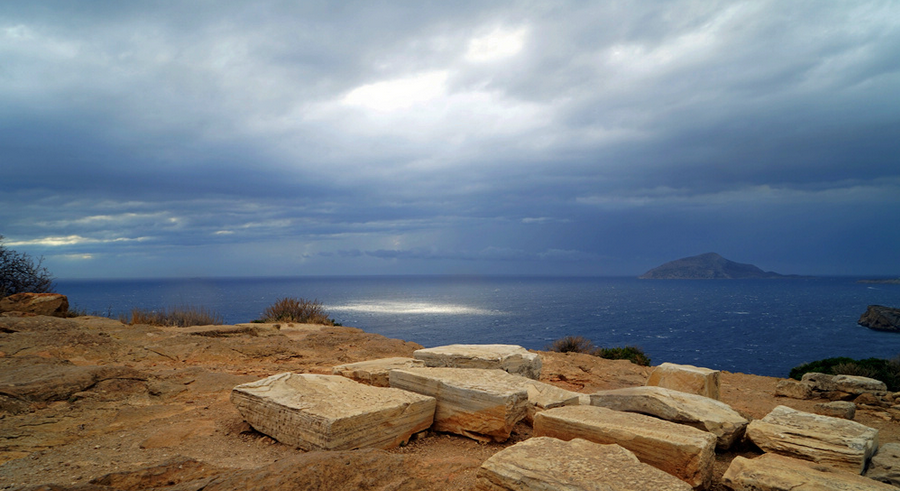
pixel 330 412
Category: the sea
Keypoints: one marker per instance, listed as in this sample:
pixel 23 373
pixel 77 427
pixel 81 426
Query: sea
pixel 763 327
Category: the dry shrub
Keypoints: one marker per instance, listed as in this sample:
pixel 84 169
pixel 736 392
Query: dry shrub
pixel 297 310
pixel 184 316
pixel 572 344
pixel 578 344
pixel 851 368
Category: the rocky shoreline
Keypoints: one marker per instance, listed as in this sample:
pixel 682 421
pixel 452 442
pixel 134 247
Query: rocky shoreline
pixel 91 404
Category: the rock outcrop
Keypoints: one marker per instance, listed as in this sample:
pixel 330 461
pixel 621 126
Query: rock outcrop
pixel 686 453
pixel 36 303
pixel 543 463
pixel 694 410
pixel 771 472
pixel 330 412
pixel 842 444
pixel 508 357
pixel 686 378
pixel 477 403
pixel 881 318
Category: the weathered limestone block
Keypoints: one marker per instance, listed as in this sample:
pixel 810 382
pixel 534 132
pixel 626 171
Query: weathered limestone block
pixel 694 410
pixel 686 453
pixel 885 465
pixel 854 384
pixel 375 372
pixel 770 472
pixel 842 444
pixel 481 404
pixel 549 464
pixel 543 396
pixel 36 303
pixel 329 412
pixel 822 382
pixel 508 357
pixel 686 378
pixel 836 409
pixel 794 389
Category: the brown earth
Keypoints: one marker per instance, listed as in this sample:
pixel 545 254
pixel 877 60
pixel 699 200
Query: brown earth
pixel 91 404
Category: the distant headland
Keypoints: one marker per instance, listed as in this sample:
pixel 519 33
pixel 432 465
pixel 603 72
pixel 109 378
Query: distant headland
pixel 709 266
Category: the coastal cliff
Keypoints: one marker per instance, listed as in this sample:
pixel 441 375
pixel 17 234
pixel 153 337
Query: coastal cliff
pixel 709 266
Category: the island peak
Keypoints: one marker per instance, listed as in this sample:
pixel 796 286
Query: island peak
pixel 709 266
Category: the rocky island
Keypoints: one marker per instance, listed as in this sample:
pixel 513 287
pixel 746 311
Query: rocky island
pixel 881 318
pixel 709 266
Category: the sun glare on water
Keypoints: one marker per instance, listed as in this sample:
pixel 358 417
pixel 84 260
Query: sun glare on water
pixel 408 308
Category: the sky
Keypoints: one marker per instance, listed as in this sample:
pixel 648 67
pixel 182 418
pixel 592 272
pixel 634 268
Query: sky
pixel 268 138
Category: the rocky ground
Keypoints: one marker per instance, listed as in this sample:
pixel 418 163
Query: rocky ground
pixel 91 404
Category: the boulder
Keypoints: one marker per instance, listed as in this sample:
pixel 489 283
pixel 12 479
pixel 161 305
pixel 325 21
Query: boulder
pixel 694 410
pixel 375 372
pixel 36 303
pixel 477 403
pixel 686 453
pixel 510 358
pixel 329 412
pixel 885 464
pixel 836 409
pixel 686 378
pixel 842 444
pixel 822 382
pixel 770 472
pixel 853 384
pixel 881 318
pixel 794 389
pixel 549 464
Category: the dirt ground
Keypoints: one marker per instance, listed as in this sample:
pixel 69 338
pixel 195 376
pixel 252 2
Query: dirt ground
pixel 91 404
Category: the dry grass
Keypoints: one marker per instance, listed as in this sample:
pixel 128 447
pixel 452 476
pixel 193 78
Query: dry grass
pixel 184 316
pixel 297 310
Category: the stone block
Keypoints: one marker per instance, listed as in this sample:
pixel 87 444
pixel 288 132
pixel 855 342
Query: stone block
pixel 842 444
pixel 822 382
pixel 770 472
pixel 794 389
pixel 885 464
pixel 36 303
pixel 854 384
pixel 543 464
pixel 510 358
pixel 694 410
pixel 686 378
pixel 375 372
pixel 329 412
pixel 684 452
pixel 836 409
pixel 481 404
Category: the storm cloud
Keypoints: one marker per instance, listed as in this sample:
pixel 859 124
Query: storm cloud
pixel 269 138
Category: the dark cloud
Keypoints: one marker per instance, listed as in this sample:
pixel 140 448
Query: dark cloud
pixel 366 137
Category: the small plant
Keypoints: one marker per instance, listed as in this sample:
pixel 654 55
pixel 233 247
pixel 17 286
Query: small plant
pixel 20 273
pixel 185 316
pixel 297 310
pixel 579 344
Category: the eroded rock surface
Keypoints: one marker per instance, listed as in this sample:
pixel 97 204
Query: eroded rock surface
pixel 508 357
pixel 771 472
pixel 842 444
pixel 36 303
pixel 544 463
pixel 885 464
pixel 330 412
pixel 376 372
pixel 694 410
pixel 686 453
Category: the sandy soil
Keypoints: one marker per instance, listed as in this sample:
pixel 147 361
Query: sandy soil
pixel 158 413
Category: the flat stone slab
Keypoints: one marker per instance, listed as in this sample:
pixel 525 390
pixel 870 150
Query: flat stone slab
pixel 481 404
pixel 543 464
pixel 684 452
pixel 686 378
pixel 330 412
pixel 543 396
pixel 836 409
pixel 508 357
pixel 694 410
pixel 885 464
pixel 375 372
pixel 854 384
pixel 770 472
pixel 837 442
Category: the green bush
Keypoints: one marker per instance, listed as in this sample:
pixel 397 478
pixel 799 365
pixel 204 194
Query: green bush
pixel 887 371
pixel 297 310
pixel 184 316
pixel 578 344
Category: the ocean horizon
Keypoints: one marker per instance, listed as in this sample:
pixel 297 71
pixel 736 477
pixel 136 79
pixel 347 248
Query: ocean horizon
pixel 764 327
